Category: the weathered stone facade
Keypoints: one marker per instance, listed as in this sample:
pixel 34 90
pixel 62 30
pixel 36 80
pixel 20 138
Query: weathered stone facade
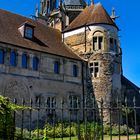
pixel 107 81
pixel 17 82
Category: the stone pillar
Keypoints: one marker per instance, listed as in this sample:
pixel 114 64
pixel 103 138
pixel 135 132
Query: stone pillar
pixel 30 61
pixel 19 58
pixel 7 57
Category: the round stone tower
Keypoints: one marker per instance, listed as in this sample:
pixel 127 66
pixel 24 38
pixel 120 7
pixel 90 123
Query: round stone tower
pixel 93 35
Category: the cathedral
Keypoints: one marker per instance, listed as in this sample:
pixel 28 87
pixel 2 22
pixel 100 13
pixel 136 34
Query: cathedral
pixel 70 50
pixel 92 34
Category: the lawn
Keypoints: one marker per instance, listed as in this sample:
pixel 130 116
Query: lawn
pixel 132 137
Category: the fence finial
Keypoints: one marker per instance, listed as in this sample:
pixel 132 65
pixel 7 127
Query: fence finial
pixel 134 101
pixel 23 101
pixel 15 100
pixel 126 100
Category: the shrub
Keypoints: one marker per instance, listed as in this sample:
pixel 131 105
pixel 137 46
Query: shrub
pixel 6 119
pixel 56 131
pixel 115 130
pixel 90 131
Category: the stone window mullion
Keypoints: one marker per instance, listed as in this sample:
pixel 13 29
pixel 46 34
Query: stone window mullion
pixel 30 60
pixel 19 58
pixel 97 43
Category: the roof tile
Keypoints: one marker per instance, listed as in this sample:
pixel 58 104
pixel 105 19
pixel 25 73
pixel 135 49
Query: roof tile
pixel 94 14
pixel 46 39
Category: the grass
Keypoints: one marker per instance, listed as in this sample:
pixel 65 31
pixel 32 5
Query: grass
pixel 72 138
pixel 132 137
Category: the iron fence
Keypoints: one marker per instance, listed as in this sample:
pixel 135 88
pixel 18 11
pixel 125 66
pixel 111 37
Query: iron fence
pixel 88 121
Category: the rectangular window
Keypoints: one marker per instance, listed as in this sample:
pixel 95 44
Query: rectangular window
pixel 13 58
pixel 94 69
pixel 56 67
pixel 28 32
pixel 100 42
pixel 74 101
pixel 115 44
pixel 1 56
pixel 94 43
pixel 111 40
pixel 51 105
pixel 75 70
pixel 51 102
pixel 111 44
pixel 97 43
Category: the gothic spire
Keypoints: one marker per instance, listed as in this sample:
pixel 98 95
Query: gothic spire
pixel 36 11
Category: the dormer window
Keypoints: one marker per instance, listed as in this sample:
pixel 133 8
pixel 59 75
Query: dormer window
pixel 28 32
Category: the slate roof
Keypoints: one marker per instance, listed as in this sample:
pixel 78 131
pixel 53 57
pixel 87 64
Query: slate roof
pixel 74 2
pixel 129 84
pixel 94 14
pixel 46 39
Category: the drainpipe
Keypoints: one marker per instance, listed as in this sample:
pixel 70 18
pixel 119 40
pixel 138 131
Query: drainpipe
pixel 85 38
pixel 83 86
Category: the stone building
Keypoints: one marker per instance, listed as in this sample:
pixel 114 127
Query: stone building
pixel 60 13
pixel 85 59
pixel 35 64
pixel 94 36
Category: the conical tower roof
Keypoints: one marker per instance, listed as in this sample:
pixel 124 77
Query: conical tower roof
pixel 94 14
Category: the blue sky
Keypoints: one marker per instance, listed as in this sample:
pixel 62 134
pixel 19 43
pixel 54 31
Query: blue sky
pixel 129 24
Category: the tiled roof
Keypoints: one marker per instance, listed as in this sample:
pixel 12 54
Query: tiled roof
pixel 75 2
pixel 46 39
pixel 94 14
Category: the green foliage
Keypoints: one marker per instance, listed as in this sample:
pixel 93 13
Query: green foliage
pixel 6 119
pixel 26 134
pixel 90 131
pixel 115 130
pixel 57 132
pixel 7 126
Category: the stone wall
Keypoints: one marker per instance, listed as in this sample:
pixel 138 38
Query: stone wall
pixel 107 85
pixel 17 82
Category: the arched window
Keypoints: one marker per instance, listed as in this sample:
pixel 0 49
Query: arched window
pixel 56 67
pixel 12 58
pixel 24 61
pixel 35 63
pixel 1 56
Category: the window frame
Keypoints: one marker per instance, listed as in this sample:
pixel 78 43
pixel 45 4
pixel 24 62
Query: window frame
pixel 113 44
pixel 74 101
pixel 13 58
pixel 75 70
pixel 93 67
pixel 27 27
pixel 35 63
pixel 56 67
pixel 2 56
pixel 24 64
pixel 99 44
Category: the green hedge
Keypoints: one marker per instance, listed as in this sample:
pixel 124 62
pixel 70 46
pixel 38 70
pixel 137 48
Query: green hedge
pixel 88 131
pixel 115 130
